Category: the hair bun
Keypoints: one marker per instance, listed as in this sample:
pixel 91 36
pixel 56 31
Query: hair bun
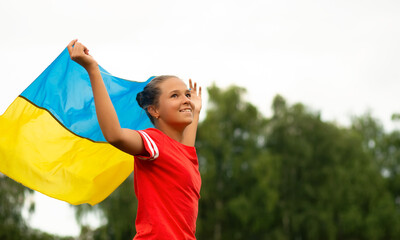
pixel 139 99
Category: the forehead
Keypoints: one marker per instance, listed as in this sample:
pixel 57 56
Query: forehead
pixel 172 84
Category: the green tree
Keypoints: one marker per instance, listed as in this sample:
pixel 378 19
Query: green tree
pixel 12 198
pixel 329 186
pixel 234 202
pixel 389 160
pixel 385 149
pixel 12 223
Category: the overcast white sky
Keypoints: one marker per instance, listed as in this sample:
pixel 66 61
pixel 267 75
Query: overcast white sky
pixel 338 57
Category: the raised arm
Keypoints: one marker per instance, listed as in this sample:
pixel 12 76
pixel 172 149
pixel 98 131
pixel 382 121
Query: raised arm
pixel 124 139
pixel 189 135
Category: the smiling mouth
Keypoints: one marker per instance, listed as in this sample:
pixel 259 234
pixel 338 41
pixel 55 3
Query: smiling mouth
pixel 185 110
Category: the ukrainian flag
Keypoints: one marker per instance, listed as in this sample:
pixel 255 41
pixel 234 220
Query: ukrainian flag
pixel 50 139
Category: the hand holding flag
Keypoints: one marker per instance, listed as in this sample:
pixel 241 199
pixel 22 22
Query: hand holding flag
pixel 80 54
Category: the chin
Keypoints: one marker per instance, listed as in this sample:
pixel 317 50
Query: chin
pixel 185 122
pixel 188 122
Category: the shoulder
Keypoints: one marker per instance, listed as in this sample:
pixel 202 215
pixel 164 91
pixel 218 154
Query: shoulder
pixel 153 141
pixel 152 134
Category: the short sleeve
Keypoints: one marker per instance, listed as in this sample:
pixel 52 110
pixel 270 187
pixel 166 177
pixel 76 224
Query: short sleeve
pixel 150 146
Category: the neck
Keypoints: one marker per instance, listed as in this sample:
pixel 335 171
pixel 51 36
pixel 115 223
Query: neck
pixel 174 133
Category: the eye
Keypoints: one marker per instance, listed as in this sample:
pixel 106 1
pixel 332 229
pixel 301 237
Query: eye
pixel 174 95
pixel 188 95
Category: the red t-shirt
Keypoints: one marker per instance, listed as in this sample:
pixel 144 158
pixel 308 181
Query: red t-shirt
pixel 167 186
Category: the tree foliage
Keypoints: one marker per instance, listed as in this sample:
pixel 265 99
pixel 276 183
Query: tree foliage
pixel 297 177
pixel 12 223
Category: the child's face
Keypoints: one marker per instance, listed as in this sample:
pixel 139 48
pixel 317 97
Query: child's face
pixel 175 107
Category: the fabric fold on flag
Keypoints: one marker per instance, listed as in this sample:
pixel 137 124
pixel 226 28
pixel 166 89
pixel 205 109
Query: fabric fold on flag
pixel 51 141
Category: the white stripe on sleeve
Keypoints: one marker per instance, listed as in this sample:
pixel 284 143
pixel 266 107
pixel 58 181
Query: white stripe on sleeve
pixel 151 146
pixel 155 148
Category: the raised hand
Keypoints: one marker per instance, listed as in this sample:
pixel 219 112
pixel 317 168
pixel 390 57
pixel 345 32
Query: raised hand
pixel 80 54
pixel 195 95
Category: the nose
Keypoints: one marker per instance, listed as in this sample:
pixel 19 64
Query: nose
pixel 187 101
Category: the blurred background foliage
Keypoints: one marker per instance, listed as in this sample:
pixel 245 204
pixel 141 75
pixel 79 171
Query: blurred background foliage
pixel 290 176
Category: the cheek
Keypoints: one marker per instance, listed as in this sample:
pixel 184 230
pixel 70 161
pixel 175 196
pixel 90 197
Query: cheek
pixel 169 108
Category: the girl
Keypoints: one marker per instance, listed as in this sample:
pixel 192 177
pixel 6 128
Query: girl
pixel 166 177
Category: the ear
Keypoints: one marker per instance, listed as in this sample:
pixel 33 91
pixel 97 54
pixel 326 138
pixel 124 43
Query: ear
pixel 153 111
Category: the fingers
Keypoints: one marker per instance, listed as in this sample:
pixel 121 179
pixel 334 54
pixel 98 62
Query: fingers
pixel 77 49
pixel 191 87
pixel 80 54
pixel 70 45
pixel 194 87
pixel 190 84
